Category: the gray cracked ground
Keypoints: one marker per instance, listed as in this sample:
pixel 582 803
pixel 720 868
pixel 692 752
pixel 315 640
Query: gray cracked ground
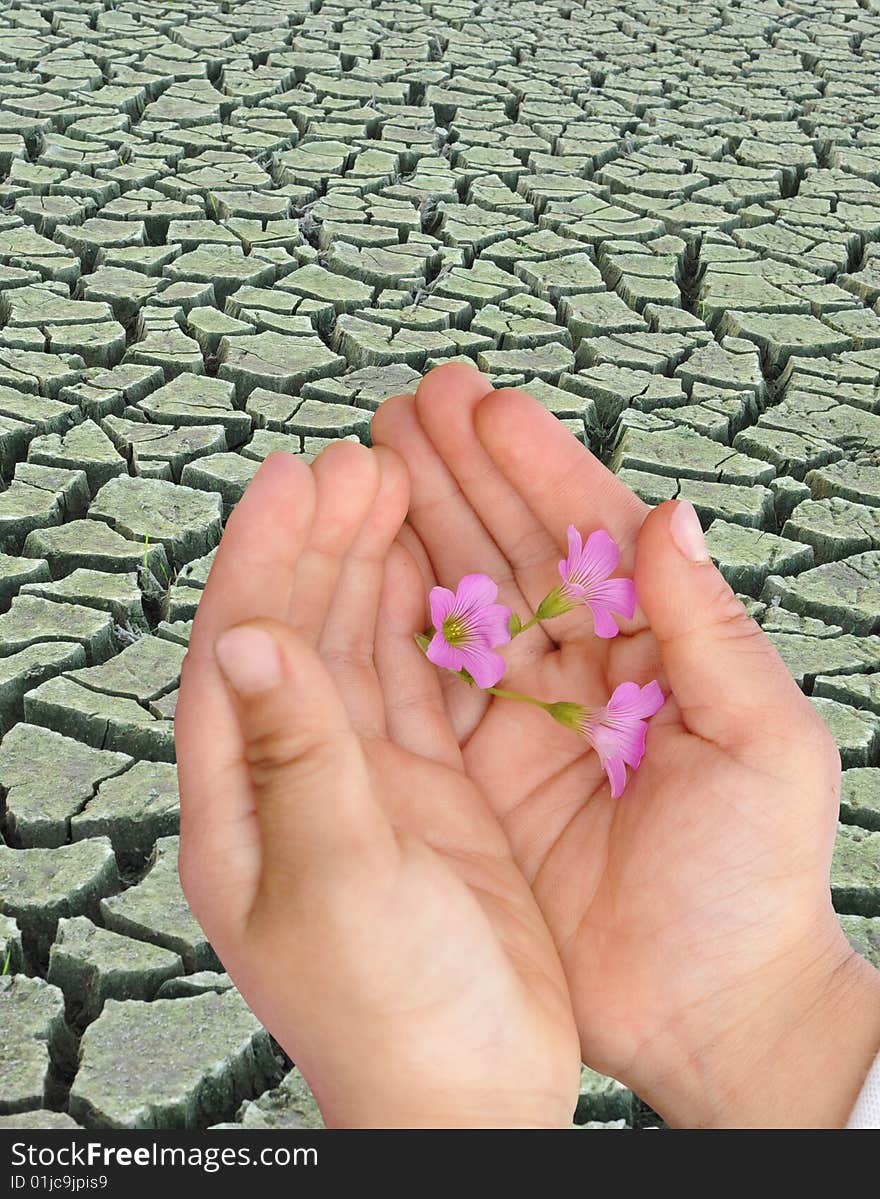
pixel 234 226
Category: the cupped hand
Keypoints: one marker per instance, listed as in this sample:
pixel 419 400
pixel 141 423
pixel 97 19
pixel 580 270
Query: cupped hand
pixel 692 915
pixel 348 872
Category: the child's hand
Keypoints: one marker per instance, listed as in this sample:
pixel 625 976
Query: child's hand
pixel 692 915
pixel 350 876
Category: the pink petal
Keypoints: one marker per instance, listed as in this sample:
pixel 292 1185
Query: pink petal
pixel 475 591
pixel 442 601
pixel 601 555
pixel 625 700
pixel 630 701
pixel 491 624
pixel 441 653
pixel 616 772
pixel 652 698
pixel 576 550
pixel 617 594
pixel 631 743
pixel 485 667
pixel 603 622
pixel 626 742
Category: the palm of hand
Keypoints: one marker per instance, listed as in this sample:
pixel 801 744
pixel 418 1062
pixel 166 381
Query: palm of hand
pixel 409 931
pixel 666 902
pixel 642 894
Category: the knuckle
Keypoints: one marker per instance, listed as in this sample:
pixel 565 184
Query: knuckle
pixel 283 750
pixel 348 656
pixel 733 623
pixel 724 602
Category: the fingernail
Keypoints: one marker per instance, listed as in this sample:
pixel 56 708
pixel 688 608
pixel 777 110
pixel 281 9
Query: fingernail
pixel 249 659
pixel 687 533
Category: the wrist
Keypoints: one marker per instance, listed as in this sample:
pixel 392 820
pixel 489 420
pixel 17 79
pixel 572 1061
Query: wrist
pixel 387 1095
pixel 789 1048
pixel 439 1112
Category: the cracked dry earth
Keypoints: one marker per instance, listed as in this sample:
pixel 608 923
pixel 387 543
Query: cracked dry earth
pixel 233 227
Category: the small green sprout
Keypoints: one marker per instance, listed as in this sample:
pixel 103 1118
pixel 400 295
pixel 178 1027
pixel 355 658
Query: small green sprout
pixel 161 565
pixel 5 969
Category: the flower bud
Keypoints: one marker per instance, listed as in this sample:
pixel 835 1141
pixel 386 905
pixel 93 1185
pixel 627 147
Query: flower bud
pixel 570 714
pixel 555 603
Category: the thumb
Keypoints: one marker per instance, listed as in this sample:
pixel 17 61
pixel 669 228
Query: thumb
pixel 731 685
pixel 315 807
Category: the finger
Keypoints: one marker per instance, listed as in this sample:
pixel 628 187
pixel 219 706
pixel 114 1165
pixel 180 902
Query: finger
pixel 346 485
pixel 557 477
pixel 253 569
pixel 456 542
pixel 318 818
pixel 559 480
pixel 409 539
pixel 447 416
pixel 415 711
pixel 454 538
pixel 252 575
pixel 718 661
pixel 347 641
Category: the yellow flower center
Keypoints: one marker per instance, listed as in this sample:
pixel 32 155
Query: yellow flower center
pixel 455 631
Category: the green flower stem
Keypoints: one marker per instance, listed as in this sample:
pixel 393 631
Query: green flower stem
pixel 528 625
pixel 517 695
pixel 569 714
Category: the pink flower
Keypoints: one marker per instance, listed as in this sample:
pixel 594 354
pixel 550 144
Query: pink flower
pixel 617 731
pixel 469 624
pixel 585 578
